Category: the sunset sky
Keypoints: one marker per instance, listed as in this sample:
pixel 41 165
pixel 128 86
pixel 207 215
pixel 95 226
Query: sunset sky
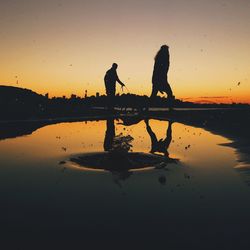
pixel 66 46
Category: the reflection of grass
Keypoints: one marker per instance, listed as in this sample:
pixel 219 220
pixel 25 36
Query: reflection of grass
pixel 121 144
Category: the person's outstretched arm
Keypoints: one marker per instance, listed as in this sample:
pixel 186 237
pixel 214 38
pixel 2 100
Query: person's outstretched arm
pixel 119 81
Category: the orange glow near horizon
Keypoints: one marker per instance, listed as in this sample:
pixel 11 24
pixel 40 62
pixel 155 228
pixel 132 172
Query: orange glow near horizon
pixel 65 47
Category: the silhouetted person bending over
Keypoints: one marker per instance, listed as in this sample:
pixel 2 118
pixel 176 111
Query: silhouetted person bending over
pixel 160 146
pixel 160 73
pixel 110 80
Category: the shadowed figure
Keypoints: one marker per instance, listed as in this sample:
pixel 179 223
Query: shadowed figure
pixel 110 79
pixel 109 135
pixel 160 77
pixel 118 174
pixel 160 146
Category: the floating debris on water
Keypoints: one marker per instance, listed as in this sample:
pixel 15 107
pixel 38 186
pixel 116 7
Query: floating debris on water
pixel 121 144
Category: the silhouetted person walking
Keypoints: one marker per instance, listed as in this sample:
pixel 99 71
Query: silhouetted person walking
pixel 110 79
pixel 160 77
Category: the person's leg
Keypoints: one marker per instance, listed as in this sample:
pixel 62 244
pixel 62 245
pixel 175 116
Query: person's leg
pixel 154 92
pixel 111 98
pixel 145 107
pixel 170 96
pixel 109 101
pixel 169 91
pixel 109 95
pixel 152 96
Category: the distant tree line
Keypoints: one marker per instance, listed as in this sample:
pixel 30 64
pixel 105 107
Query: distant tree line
pixel 18 103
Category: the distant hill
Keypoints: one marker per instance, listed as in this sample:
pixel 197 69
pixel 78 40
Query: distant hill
pixel 19 102
pixel 8 93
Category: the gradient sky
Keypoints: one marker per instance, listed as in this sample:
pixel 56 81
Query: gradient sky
pixel 66 46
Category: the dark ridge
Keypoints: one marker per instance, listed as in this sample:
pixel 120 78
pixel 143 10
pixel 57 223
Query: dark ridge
pixel 17 103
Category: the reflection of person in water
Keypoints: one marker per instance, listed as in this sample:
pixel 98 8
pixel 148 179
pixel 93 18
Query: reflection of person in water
pixel 109 135
pixel 160 146
pixel 119 161
pixel 119 174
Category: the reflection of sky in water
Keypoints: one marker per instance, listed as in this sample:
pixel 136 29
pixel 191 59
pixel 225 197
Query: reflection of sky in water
pixel 202 190
pixel 190 144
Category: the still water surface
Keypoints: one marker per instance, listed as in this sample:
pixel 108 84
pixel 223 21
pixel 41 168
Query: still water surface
pixel 199 197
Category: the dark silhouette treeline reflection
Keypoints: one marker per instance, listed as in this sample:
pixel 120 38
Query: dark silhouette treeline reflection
pixel 230 123
pixel 16 129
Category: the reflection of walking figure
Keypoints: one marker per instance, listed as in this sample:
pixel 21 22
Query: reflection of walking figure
pixel 110 79
pixel 160 146
pixel 160 78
